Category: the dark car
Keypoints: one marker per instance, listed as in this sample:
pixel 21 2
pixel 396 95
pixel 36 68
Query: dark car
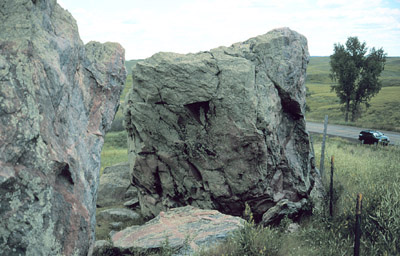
pixel 373 137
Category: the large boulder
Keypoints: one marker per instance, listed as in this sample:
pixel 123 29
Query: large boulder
pixel 183 230
pixel 57 99
pixel 222 127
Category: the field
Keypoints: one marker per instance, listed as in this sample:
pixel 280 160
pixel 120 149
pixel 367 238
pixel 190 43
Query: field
pixel 384 112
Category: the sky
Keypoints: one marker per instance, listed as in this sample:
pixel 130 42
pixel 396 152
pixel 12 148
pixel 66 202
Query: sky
pixel 145 27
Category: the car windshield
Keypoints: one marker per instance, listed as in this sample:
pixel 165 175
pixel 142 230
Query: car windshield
pixel 378 133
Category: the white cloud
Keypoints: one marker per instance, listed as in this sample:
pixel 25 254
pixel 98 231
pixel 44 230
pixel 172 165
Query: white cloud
pixel 146 27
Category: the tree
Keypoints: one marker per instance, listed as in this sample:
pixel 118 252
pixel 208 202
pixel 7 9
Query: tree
pixel 356 75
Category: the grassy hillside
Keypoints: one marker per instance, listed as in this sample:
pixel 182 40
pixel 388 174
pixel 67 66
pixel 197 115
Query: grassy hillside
pixel 384 112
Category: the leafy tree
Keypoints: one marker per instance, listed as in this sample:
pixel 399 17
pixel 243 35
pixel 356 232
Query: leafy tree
pixel 356 75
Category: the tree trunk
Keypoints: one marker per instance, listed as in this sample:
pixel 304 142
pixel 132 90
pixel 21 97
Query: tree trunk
pixel 346 118
pixel 354 111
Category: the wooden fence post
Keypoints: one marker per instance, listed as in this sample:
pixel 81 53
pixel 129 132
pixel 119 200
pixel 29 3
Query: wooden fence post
pixel 321 163
pixel 358 226
pixel 331 188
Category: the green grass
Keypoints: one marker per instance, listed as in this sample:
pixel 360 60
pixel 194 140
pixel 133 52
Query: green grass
pixel 114 150
pixel 384 112
pixel 372 171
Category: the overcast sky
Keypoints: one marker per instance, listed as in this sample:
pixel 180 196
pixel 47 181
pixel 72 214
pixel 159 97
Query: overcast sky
pixel 145 27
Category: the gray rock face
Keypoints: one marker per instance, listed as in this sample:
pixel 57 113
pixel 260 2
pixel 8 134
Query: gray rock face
pixel 115 186
pixel 57 99
pixel 220 128
pixel 186 228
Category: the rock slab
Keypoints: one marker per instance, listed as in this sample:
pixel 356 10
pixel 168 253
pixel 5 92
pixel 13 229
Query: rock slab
pixel 57 99
pixel 222 127
pixel 187 229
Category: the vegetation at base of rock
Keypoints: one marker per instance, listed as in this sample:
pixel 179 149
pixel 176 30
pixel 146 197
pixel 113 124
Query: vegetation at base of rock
pixel 372 171
pixel 384 110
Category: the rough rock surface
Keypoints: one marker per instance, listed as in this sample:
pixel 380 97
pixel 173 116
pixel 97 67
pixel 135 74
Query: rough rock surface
pixel 187 229
pixel 223 127
pixel 115 186
pixel 57 99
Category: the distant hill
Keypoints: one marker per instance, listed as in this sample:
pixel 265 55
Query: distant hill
pixel 319 68
pixel 384 112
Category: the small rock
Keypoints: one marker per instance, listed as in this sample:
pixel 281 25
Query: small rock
pixel 118 215
pixel 116 225
pixel 281 209
pixel 293 227
pixel 132 192
pixel 132 203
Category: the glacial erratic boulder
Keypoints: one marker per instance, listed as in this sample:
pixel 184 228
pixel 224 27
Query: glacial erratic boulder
pixel 223 127
pixel 57 99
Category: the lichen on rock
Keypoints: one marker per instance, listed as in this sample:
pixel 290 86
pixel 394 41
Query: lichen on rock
pixel 57 99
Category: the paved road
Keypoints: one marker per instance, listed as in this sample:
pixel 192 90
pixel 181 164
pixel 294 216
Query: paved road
pixel 349 132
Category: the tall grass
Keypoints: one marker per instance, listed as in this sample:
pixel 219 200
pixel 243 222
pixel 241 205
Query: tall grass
pixel 374 172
